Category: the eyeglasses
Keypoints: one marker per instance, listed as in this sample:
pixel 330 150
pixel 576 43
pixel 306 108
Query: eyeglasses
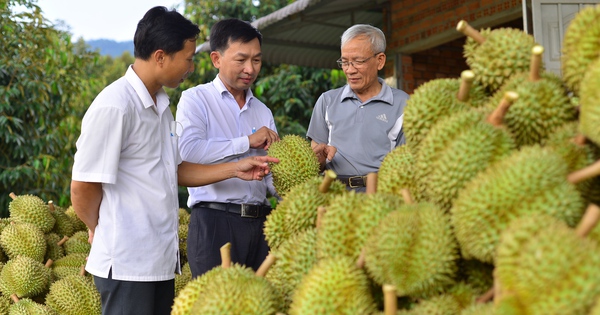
pixel 357 64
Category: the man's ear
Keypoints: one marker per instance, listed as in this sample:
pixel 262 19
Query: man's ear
pixel 215 56
pixel 381 61
pixel 159 56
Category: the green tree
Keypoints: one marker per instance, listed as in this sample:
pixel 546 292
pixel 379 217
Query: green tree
pixel 44 90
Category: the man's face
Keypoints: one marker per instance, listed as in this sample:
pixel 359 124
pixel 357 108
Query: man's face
pixel 239 64
pixel 361 74
pixel 179 65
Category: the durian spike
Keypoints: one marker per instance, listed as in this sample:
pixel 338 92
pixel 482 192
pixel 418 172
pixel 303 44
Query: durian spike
pixel 579 140
pixel 328 178
pixel 371 186
pixel 12 196
pixel 320 213
pixel 266 264
pixel 49 263
pixel 485 297
pixel 589 220
pixel 51 205
pixel 14 297
pixel 466 29
pixel 536 63
pixel 226 255
pixel 360 262
pixel 497 116
pixel 63 240
pixel 466 80
pixel 587 172
pixel 407 196
pixel 390 300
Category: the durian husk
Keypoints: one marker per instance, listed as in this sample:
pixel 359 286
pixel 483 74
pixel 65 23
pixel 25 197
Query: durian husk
pixel 589 116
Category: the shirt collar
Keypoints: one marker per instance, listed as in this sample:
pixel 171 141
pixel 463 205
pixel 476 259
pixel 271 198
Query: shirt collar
pixel 162 99
pixel 222 89
pixel 385 95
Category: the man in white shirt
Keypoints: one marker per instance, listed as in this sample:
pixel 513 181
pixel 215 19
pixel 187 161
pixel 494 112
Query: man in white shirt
pixel 127 169
pixel 222 121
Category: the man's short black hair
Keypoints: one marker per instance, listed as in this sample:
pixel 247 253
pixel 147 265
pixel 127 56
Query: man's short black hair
pixel 162 29
pixel 232 29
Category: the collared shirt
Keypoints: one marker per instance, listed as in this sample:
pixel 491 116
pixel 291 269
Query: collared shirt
pixel 216 130
pixel 362 132
pixel 125 144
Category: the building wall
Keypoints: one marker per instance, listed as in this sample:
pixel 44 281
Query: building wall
pixel 414 21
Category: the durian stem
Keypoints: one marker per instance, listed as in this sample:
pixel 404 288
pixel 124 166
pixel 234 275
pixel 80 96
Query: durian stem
pixel 579 140
pixel 407 196
pixel 536 63
pixel 14 297
pixel 390 300
pixel 589 220
pixel 266 264
pixel 226 255
pixel 371 186
pixel 49 263
pixel 82 270
pixel 360 262
pixel 466 82
pixel 466 29
pixel 51 205
pixel 320 213
pixel 497 116
pixel 12 196
pixel 63 240
pixel 486 297
pixel 587 172
pixel 329 177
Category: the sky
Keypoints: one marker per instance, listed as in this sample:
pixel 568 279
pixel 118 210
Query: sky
pixel 104 19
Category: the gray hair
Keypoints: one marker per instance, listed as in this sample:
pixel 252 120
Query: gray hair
pixel 375 35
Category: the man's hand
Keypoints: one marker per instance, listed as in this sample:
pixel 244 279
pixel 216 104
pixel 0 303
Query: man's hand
pixel 323 152
pixel 263 138
pixel 254 167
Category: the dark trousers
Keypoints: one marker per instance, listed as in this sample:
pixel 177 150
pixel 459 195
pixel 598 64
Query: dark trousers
pixel 209 229
pixel 134 298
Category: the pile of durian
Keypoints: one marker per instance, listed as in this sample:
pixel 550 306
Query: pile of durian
pixel 490 207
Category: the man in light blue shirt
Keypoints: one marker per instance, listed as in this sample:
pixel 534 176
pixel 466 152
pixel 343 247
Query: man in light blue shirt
pixel 222 121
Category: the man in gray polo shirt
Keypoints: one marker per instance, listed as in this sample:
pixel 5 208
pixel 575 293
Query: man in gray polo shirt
pixel 352 128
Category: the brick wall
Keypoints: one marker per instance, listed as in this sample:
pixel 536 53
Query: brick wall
pixel 413 21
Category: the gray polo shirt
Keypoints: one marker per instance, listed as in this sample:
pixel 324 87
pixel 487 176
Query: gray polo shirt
pixel 363 133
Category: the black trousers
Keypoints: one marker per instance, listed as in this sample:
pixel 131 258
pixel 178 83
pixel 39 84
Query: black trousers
pixel 134 298
pixel 209 229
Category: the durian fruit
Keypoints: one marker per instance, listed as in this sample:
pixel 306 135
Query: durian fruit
pixel 480 309
pixel 297 162
pixel 333 286
pixel 5 303
pixel 544 267
pixel 452 302
pixel 27 306
pixel 31 209
pixel 78 243
pixel 542 106
pixel 589 116
pixel 500 53
pixel 54 249
pixel 530 180
pixel 182 279
pixel 295 257
pixel 297 210
pixel 68 265
pixel 413 248
pixel 78 225
pixel 397 172
pixel 63 225
pixel 182 231
pixel 74 295
pixel 23 239
pixel 580 46
pixel 435 100
pixel 456 149
pixel 348 222
pixel 25 277
pixel 577 156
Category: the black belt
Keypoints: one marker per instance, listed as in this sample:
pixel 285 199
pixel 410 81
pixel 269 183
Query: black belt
pixel 245 210
pixel 353 181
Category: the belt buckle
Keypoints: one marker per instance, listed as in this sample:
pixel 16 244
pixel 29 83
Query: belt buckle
pixel 249 211
pixel 355 178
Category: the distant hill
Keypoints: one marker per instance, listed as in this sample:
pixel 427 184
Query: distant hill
pixel 111 47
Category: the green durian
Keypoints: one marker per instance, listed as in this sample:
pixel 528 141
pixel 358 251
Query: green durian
pixel 29 307
pixel 333 286
pixel 23 239
pixel 580 47
pixel 297 162
pixel 182 279
pixel 589 116
pixel 78 225
pixel 413 248
pixel 54 249
pixel 530 180
pixel 31 209
pixel 397 172
pixel 63 225
pixel 452 302
pixel 74 295
pixel 71 264
pixel 78 243
pixel 24 277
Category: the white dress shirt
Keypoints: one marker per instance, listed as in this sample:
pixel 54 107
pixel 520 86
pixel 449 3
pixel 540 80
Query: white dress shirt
pixel 216 130
pixel 125 144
